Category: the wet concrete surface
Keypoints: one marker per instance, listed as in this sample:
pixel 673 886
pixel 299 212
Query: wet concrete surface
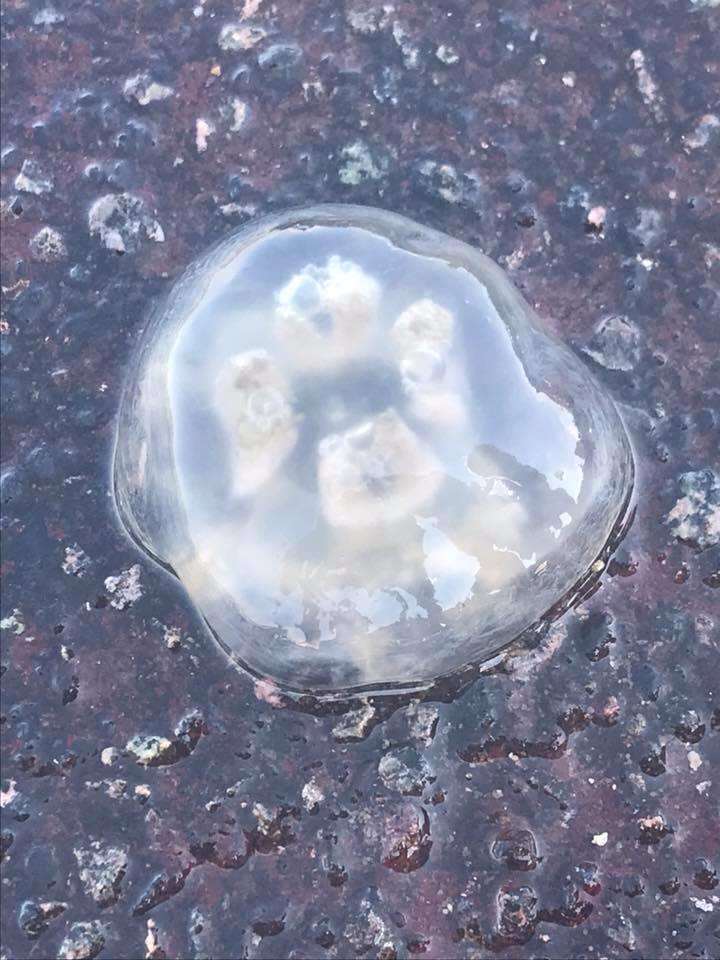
pixel 156 802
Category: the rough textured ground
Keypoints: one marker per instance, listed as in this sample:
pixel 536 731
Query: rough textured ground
pixel 157 803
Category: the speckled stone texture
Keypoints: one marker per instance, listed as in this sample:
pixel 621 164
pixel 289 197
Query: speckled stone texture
pixel 156 803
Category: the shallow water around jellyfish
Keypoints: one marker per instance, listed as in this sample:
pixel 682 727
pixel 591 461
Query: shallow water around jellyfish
pixel 366 461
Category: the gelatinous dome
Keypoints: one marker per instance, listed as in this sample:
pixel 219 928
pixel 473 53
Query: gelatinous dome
pixel 367 462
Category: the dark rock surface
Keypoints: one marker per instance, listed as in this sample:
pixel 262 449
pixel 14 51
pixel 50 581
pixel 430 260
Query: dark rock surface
pixel 156 802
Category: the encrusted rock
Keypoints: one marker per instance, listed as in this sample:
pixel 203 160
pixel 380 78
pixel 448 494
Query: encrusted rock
pixel 695 518
pixel 405 771
pixel 32 179
pixel 34 916
pixel 101 871
pixel 84 941
pixel 48 245
pixel 122 222
pixel 615 343
pixel 145 90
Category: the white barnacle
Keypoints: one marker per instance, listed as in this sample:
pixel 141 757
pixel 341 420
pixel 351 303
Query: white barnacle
pixel 253 403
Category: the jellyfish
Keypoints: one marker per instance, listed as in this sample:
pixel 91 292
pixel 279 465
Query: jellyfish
pixel 362 454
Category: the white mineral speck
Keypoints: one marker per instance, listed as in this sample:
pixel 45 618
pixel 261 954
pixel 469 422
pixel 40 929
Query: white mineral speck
pixel 704 905
pixel 703 131
pixel 600 839
pixel 359 164
pixel 363 21
pixel 76 561
pixel 615 343
pixel 646 83
pixel 84 940
pixel 172 637
pixel 101 869
pixel 312 795
pixel 48 17
pixel 444 180
pixel 125 587
pixel 649 228
pixel 267 692
pixel 152 941
pixel 422 720
pixel 145 90
pixel 203 130
pixel 238 112
pixel 446 54
pixel 115 788
pixel 109 756
pixel 237 209
pixel 48 245
pixel 122 222
pixel 355 724
pixel 596 217
pixel 148 749
pixel 695 518
pixel 409 50
pixel 7 796
pixel 14 622
pixel 31 179
pixel 652 823
pixel 240 36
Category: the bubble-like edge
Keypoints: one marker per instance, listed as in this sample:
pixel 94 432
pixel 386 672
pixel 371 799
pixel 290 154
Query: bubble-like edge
pixel 448 686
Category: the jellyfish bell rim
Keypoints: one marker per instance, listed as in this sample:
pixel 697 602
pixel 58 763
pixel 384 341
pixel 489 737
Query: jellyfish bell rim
pixel 520 319
pixel 461 676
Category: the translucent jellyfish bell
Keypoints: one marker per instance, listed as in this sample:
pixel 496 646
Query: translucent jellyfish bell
pixel 367 462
